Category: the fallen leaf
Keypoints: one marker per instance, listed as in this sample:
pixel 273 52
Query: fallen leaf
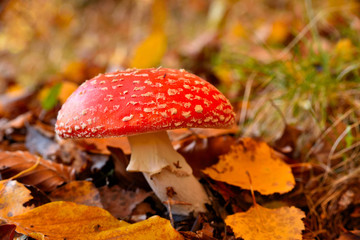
pixel 263 223
pixel 65 220
pixel 119 202
pixel 37 143
pixel 46 176
pixel 153 228
pixel 150 51
pixel 99 145
pixel 67 88
pixel 7 231
pixel 81 192
pixel 269 174
pixel 13 196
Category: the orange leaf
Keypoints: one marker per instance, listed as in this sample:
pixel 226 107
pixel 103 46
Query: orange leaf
pixel 81 192
pixel 65 220
pixel 269 174
pixel 13 196
pixel 152 228
pixel 46 176
pixel 262 223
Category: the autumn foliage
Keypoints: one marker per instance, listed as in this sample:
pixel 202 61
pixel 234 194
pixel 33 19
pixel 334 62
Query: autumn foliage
pixel 288 169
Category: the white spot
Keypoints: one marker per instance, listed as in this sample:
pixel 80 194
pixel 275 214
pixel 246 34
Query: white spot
pixel 189 96
pixel 104 88
pixel 172 92
pixel 198 108
pixel 148 82
pixel 208 119
pixel 139 88
pixel 148 94
pixel 76 118
pixel 187 105
pixel 76 127
pixel 127 118
pixel 187 86
pixel 186 114
pixel 125 92
pixel 83 125
pixel 158 85
pixel 102 82
pixel 116 107
pixel 131 102
pixel 83 112
pixel 205 90
pixel 148 109
pixel 222 118
pixel 173 111
pixel 177 124
pixel 93 82
pixel 164 114
pixel 162 105
pixel 136 82
pixel 114 80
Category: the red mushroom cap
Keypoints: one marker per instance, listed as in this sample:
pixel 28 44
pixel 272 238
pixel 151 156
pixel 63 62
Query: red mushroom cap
pixel 142 100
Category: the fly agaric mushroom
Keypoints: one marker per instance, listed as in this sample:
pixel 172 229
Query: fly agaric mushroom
pixel 142 104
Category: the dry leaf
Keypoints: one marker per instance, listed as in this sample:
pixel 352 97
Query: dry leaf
pixel 81 192
pixel 271 224
pixel 65 220
pixel 269 174
pixel 150 51
pixel 67 88
pixel 7 231
pixel 119 202
pixel 46 176
pixel 13 195
pixel 152 228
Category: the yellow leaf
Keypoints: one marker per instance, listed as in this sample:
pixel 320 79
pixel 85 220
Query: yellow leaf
pixel 159 15
pixel 152 228
pixel 150 51
pixel 13 195
pixel 67 88
pixel 269 174
pixel 344 49
pixel 272 224
pixel 65 220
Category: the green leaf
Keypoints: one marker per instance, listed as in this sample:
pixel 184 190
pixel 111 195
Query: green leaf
pixel 52 97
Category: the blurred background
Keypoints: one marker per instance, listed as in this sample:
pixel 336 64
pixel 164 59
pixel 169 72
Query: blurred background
pixel 278 61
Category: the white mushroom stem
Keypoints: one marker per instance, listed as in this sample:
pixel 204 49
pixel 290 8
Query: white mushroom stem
pixel 164 168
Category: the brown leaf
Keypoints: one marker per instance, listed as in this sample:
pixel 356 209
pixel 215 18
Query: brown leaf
pixel 46 176
pixel 7 231
pixel 13 196
pixel 127 180
pixel 349 236
pixel 99 145
pixel 119 202
pixel 81 192
pixel 201 153
pixel 288 140
pixel 38 143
